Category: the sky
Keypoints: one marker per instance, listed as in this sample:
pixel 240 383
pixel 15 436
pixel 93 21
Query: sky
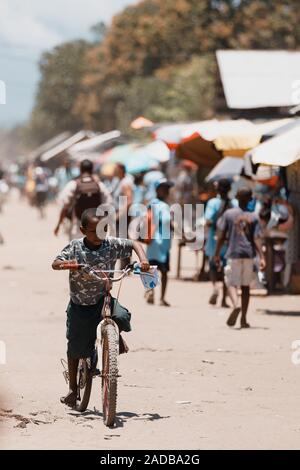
pixel 29 27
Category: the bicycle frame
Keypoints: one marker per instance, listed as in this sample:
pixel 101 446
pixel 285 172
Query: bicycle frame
pixel 106 309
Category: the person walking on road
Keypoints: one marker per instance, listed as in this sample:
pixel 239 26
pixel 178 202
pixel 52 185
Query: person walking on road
pixel 123 198
pixel 243 232
pixel 158 251
pixel 85 192
pixel 213 212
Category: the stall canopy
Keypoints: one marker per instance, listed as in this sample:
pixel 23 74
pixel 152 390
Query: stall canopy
pixel 49 144
pixel 257 79
pixel 200 151
pixel 174 134
pixel 141 122
pixel 93 147
pixel 228 167
pixel 60 150
pixel 138 158
pixel 281 150
pixel 206 142
pixel 284 125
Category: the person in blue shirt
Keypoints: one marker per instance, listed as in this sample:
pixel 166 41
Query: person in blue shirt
pixel 214 210
pixel 158 250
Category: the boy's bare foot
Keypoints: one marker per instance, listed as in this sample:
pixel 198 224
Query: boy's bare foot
pixel 164 303
pixel 69 399
pixel 213 298
pixel 233 316
pixel 244 324
pixel 149 296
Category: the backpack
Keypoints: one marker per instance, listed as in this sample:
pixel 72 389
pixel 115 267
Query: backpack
pixel 149 227
pixel 144 227
pixel 227 204
pixel 87 195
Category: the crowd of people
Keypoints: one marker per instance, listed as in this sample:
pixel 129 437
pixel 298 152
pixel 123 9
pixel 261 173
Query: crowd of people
pixel 239 219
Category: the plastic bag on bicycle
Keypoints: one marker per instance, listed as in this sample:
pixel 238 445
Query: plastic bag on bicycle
pixel 150 279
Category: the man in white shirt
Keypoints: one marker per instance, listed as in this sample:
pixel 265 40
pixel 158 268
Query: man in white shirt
pixel 83 193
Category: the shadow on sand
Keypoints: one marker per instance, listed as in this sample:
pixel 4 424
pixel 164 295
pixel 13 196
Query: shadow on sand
pixel 121 418
pixel 285 313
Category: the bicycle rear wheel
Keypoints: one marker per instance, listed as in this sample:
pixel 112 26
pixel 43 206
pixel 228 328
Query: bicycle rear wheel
pixel 109 374
pixel 85 381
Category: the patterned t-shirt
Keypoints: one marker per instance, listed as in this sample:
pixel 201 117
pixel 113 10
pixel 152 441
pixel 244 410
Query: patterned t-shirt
pixel 85 290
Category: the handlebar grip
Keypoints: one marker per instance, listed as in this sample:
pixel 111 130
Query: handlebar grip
pixel 70 265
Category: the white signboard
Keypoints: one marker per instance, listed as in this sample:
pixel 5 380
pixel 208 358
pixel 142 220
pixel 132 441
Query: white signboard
pixel 257 79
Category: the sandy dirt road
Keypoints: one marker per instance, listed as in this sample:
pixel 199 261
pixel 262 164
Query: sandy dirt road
pixel 189 382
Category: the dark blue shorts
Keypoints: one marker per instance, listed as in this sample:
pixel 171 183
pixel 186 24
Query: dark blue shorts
pixel 82 323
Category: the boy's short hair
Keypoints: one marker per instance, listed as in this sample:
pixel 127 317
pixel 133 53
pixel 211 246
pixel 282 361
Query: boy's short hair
pixel 244 193
pixel 86 166
pixel 88 215
pixel 121 167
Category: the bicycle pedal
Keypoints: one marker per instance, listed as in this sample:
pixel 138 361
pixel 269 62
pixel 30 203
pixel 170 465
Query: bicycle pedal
pixel 96 373
pixel 66 376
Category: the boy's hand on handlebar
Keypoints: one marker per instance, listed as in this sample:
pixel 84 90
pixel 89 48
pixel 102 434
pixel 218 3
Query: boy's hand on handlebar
pixel 145 265
pixel 71 265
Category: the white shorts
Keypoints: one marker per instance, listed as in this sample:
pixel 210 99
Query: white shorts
pixel 239 272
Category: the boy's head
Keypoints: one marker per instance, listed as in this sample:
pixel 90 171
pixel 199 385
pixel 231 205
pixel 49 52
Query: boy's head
pixel 163 187
pixel 224 186
pixel 244 196
pixel 89 223
pixel 86 166
pixel 120 170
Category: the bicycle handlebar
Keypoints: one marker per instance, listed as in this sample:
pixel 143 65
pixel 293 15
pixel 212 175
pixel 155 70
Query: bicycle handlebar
pixel 102 273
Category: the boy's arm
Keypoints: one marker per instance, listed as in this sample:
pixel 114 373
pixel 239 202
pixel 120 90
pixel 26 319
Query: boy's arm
pixel 220 242
pixel 221 237
pixel 66 198
pixel 259 251
pixel 64 260
pixel 139 250
pixel 258 246
pixel 62 216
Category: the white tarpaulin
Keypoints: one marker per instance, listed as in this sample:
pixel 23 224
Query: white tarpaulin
pixel 93 143
pixel 65 145
pixel 226 168
pixel 257 79
pixel 282 150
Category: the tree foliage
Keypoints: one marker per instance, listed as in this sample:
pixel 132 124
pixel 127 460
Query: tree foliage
pixel 62 71
pixel 156 59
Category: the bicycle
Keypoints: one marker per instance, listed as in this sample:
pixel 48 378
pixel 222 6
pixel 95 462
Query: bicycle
pixel 106 346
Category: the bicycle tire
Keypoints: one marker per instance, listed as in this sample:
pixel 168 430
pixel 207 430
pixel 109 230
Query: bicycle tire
pixel 109 374
pixel 86 389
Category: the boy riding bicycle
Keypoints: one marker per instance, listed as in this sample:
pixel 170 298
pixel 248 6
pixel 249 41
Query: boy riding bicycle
pixel 87 293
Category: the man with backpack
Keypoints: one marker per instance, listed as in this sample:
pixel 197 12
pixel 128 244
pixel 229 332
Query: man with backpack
pixel 85 192
pixel 214 210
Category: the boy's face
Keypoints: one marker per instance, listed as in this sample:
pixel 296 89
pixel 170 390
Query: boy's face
pixel 91 232
pixel 163 192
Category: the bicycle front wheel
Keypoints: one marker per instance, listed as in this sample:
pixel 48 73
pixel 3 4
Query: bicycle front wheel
pixel 109 374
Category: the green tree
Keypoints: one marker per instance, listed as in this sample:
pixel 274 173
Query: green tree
pixel 62 71
pixel 156 59
pixel 153 36
pixel 186 92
